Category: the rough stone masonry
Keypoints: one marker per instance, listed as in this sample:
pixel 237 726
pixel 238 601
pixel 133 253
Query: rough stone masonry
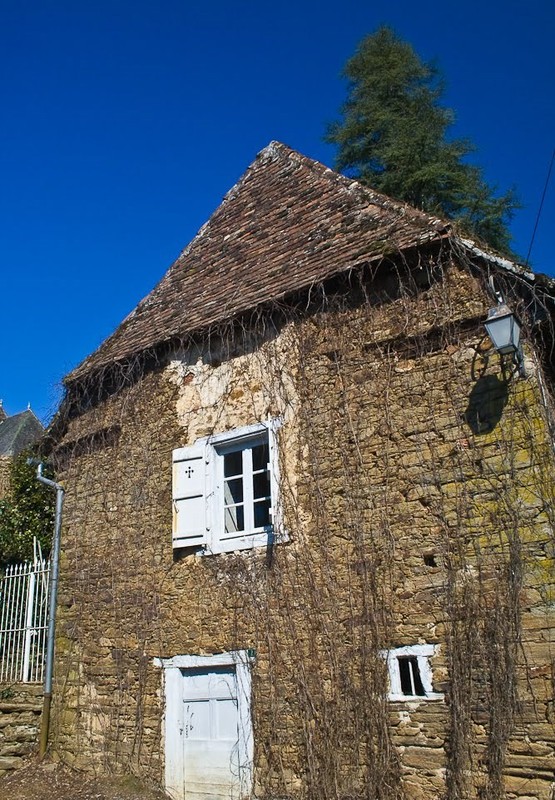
pixel 415 542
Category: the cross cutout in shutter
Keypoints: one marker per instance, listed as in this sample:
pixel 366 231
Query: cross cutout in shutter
pixel 189 471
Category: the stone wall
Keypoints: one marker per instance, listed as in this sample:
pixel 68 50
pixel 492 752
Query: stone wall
pixel 417 492
pixel 20 711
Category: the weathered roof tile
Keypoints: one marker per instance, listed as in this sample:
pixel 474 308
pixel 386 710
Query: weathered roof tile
pixel 287 223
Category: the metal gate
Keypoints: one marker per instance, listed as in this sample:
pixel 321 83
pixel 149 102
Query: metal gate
pixel 24 621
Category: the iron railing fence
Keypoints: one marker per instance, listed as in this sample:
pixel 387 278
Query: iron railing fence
pixel 24 621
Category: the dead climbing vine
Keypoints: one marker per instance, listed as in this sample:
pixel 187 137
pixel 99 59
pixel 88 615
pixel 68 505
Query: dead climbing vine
pixel 416 490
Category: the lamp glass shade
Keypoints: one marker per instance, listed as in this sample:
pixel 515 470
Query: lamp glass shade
pixel 503 329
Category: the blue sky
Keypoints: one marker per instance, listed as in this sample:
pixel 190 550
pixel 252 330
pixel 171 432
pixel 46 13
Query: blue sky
pixel 125 123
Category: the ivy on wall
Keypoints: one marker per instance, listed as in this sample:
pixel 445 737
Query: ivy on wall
pixel 416 484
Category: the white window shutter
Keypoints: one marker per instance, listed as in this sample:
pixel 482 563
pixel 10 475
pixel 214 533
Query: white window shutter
pixel 189 496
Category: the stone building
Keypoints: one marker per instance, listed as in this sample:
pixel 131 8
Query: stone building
pixel 308 526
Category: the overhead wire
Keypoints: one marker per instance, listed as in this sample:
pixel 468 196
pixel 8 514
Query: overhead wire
pixel 540 208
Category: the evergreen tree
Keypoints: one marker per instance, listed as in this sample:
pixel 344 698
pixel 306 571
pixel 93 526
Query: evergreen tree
pixel 27 511
pixel 393 137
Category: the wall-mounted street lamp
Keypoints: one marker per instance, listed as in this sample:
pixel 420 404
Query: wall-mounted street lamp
pixel 503 329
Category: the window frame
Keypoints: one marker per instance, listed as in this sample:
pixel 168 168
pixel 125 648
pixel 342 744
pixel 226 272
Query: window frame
pixel 241 439
pixel 423 653
pixel 204 494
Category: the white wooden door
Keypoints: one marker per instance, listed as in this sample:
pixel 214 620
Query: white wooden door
pixel 211 734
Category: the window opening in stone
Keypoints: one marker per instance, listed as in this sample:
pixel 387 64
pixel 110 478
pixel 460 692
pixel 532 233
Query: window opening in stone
pixel 430 560
pixel 225 490
pixel 411 682
pixel 247 493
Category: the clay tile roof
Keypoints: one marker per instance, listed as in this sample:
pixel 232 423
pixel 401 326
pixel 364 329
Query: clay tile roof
pixel 289 222
pixel 18 432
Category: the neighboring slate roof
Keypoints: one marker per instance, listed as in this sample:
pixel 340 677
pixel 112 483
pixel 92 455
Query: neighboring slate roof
pixel 18 432
pixel 288 223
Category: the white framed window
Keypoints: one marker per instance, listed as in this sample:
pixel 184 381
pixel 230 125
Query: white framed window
pixel 410 672
pixel 225 490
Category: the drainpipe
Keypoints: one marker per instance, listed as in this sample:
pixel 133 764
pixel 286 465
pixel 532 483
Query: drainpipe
pixel 47 701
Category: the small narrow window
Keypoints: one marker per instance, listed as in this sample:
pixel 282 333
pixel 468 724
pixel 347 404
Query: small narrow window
pixel 411 683
pixel 410 672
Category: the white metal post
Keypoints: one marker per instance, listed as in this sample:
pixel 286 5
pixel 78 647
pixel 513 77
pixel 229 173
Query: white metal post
pixel 29 619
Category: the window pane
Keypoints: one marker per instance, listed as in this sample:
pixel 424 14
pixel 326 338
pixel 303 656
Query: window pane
pixel 261 485
pixel 262 513
pixel 260 456
pixel 233 463
pixel 234 519
pixel 233 491
pixel 226 720
pixel 197 719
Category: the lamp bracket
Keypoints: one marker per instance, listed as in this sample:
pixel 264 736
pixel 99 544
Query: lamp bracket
pixel 497 294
